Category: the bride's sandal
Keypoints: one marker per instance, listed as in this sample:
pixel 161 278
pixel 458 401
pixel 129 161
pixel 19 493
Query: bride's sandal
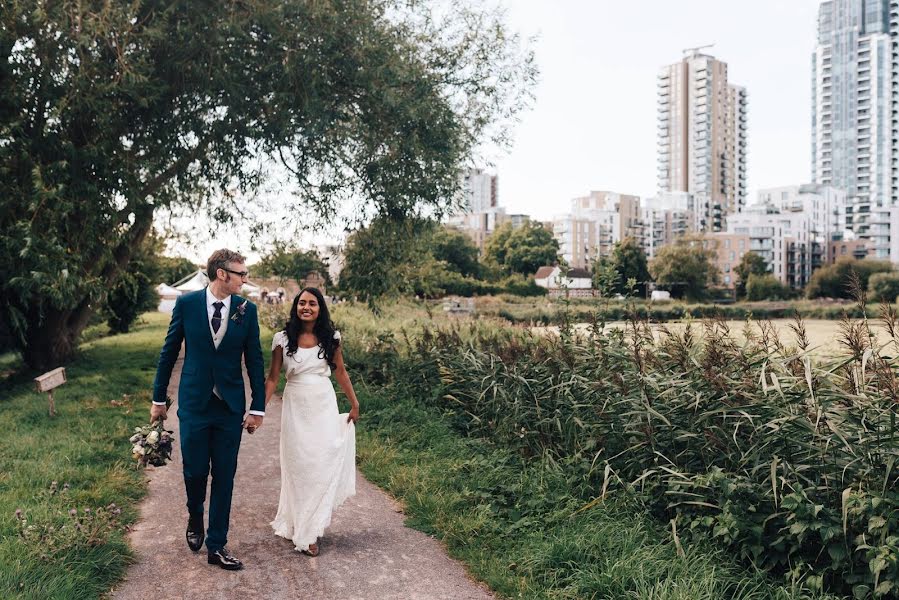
pixel 313 550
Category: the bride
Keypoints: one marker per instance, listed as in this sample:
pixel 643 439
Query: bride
pixel 318 445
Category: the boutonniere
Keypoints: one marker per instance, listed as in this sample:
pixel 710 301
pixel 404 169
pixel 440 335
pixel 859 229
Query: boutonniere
pixel 237 317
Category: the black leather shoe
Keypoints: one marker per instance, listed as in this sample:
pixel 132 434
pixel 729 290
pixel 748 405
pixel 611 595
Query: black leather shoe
pixel 225 560
pixel 195 533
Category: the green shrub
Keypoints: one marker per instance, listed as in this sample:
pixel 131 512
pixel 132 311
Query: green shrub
pixel 833 281
pixel 883 287
pixel 520 285
pixel 132 295
pixel 766 287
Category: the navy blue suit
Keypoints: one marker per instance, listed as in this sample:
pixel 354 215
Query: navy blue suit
pixel 210 425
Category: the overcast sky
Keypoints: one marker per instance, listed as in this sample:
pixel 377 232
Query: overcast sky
pixel 593 125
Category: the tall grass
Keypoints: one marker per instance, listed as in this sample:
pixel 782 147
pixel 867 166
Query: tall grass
pixel 786 460
pixel 517 527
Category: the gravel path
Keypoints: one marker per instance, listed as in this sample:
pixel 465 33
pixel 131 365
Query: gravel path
pixel 367 552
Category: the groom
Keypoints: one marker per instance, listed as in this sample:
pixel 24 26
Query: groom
pixel 218 327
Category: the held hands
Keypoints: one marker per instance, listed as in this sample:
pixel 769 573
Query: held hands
pixel 158 412
pixel 353 416
pixel 252 423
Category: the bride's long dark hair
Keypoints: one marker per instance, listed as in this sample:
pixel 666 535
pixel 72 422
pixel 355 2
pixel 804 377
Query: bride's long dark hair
pixel 323 328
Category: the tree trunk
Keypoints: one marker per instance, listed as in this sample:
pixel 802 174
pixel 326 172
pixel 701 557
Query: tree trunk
pixel 52 343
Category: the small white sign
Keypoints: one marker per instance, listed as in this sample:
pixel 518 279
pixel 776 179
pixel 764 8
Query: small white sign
pixel 50 379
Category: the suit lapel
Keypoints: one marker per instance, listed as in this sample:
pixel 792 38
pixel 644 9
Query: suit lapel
pixel 204 314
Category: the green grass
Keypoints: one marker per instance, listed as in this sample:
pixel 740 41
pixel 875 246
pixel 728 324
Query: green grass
pixel 85 446
pixel 514 525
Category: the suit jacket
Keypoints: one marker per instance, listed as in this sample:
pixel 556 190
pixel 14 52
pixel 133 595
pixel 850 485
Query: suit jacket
pixel 205 366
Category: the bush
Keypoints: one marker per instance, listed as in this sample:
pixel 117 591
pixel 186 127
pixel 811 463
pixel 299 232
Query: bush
pixel 883 287
pixel 132 295
pixel 766 287
pixel 833 281
pixel 521 286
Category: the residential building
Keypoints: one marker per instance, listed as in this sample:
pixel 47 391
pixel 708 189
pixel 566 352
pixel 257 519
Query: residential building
pixel 481 212
pixel 729 249
pixel 825 207
pixel 579 240
pixel 479 225
pixel 702 135
pixel 855 144
pixel 857 249
pixel 671 215
pixel 783 238
pixel 516 220
pixel 595 224
pixel 481 191
pixel 333 257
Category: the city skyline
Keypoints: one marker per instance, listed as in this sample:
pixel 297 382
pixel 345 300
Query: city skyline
pixel 602 128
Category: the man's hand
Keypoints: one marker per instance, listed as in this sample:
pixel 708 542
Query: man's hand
pixel 252 423
pixel 158 412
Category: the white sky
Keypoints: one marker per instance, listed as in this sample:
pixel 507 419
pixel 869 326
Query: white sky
pixel 593 123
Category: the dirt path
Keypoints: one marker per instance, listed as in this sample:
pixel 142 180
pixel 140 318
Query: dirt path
pixel 367 552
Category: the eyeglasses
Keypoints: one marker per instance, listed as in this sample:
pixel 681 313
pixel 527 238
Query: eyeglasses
pixel 241 274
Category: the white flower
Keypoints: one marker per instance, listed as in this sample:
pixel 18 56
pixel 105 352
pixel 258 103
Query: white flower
pixel 135 438
pixel 153 437
pixel 138 450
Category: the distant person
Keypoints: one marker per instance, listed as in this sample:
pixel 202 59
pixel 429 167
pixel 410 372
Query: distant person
pixel 318 445
pixel 218 328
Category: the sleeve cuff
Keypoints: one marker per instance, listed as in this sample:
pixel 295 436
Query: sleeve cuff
pixel 159 403
pixel 258 413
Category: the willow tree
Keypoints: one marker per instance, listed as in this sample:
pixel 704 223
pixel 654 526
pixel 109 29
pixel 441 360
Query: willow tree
pixel 113 111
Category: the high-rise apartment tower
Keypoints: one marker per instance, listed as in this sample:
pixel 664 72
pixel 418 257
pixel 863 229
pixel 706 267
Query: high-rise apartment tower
pixel 854 123
pixel 702 135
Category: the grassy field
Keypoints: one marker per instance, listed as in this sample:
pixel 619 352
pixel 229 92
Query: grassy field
pixel 509 519
pixel 47 550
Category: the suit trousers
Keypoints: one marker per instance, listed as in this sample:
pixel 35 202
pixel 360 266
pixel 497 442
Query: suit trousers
pixel 211 439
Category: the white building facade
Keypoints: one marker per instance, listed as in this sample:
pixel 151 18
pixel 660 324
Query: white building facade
pixel 791 227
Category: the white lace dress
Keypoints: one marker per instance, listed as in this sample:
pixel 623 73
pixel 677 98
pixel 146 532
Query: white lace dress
pixel 318 448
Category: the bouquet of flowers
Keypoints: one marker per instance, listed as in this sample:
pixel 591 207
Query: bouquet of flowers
pixel 152 445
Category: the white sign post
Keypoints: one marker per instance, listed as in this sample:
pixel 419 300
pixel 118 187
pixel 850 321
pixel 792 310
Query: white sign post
pixel 47 382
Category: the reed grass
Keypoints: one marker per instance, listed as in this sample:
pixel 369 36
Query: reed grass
pixel 750 443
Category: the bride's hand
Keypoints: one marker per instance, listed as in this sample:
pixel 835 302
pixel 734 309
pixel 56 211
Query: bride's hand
pixel 353 416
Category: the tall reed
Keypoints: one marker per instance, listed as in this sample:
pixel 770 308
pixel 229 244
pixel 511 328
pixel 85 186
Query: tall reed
pixel 758 445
